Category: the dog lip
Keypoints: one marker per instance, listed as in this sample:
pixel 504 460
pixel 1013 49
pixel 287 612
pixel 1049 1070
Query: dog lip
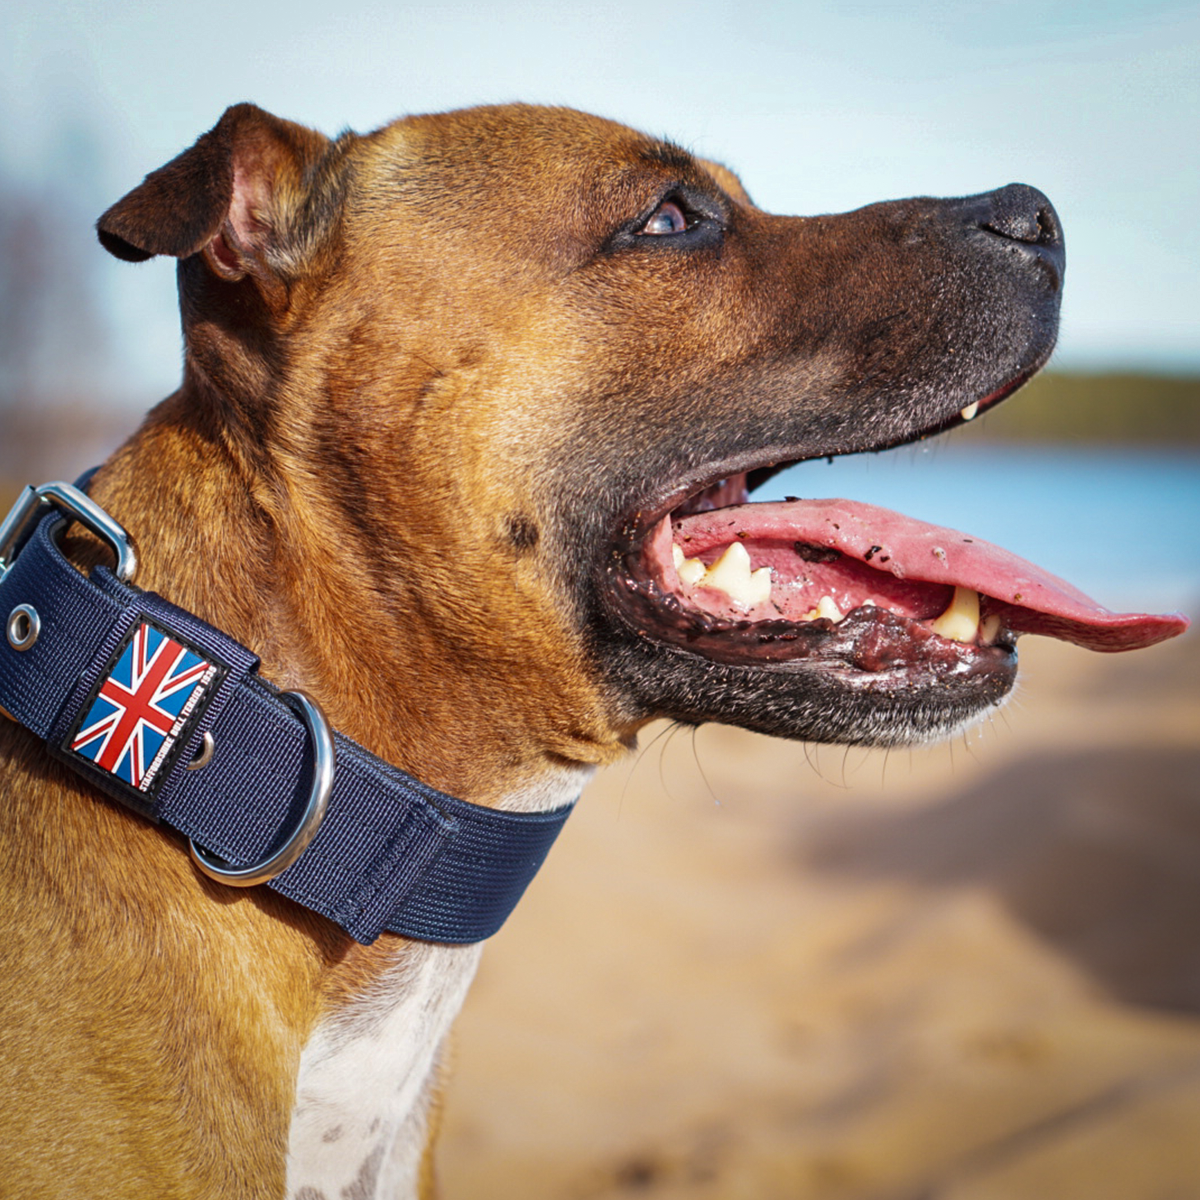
pixel 991 399
pixel 762 463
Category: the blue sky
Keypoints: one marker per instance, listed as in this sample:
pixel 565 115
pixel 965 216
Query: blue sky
pixel 820 107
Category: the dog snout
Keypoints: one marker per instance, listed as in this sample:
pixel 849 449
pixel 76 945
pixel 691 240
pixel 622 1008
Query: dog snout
pixel 1025 220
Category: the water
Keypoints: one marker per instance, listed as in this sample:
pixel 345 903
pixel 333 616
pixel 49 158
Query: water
pixel 1122 525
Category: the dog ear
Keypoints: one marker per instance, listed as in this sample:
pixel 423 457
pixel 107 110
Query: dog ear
pixel 238 197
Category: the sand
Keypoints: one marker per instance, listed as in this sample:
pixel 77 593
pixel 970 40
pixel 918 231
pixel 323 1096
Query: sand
pixel 970 972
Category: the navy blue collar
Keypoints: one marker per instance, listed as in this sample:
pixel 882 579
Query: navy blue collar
pixel 170 716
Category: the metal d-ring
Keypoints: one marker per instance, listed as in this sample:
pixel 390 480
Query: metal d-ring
pixel 318 801
pixel 80 507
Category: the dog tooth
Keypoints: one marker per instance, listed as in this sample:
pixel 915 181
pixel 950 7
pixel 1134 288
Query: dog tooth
pixel 960 621
pixel 731 574
pixel 989 629
pixel 760 585
pixel 970 411
pixel 689 570
pixel 828 609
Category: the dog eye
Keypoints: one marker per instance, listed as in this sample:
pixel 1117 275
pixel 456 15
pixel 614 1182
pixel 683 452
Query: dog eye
pixel 667 218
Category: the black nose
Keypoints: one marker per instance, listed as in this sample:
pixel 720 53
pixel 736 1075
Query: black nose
pixel 1025 219
pixel 1022 214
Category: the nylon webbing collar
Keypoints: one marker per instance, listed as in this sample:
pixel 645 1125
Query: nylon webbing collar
pixel 131 691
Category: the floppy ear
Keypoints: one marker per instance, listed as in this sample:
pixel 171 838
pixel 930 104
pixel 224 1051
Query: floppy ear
pixel 238 197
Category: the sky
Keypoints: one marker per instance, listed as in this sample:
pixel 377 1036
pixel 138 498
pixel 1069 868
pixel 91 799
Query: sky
pixel 820 107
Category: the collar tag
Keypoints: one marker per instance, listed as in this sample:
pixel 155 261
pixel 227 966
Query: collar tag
pixel 135 722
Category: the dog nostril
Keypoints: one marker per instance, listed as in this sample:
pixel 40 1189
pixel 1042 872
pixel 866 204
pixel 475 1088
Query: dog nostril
pixel 1031 228
pixel 1022 214
pixel 1025 222
pixel 1049 231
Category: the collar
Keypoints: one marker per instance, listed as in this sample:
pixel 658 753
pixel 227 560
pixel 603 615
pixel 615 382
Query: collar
pixel 169 715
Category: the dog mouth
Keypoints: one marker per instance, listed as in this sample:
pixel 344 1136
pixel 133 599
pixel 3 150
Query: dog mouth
pixel 877 600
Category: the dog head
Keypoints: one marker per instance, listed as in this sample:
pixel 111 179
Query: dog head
pixel 520 366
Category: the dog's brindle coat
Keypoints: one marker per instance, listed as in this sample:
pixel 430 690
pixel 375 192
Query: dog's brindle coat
pixel 437 380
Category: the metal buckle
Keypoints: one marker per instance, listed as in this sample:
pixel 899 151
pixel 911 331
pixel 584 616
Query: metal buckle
pixel 306 830
pixel 29 509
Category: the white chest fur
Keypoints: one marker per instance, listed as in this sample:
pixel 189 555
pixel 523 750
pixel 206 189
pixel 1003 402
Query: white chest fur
pixel 368 1073
pixel 366 1076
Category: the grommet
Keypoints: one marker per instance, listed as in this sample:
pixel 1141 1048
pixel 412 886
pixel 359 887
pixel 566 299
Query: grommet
pixel 23 627
pixel 204 754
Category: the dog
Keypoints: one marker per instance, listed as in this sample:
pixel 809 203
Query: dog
pixel 470 413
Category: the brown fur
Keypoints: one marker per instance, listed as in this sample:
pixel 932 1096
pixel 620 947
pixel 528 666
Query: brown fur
pixel 418 362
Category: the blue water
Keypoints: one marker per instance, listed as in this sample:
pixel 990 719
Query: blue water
pixel 1123 525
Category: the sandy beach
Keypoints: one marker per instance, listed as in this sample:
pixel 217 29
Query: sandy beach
pixel 971 972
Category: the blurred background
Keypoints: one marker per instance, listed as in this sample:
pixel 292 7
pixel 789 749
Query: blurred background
pixel 753 968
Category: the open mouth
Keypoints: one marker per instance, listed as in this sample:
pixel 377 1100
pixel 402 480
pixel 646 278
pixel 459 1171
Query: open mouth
pixel 882 601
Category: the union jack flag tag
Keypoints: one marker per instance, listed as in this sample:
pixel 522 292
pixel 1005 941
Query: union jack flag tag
pixel 136 720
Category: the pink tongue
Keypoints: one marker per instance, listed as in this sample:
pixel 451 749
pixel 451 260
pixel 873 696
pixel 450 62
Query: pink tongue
pixel 1030 600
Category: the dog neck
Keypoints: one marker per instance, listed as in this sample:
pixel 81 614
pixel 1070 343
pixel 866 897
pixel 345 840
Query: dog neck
pixel 367 1091
pixel 275 560
pixel 208 537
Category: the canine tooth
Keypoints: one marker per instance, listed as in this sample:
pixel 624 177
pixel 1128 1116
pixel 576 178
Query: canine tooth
pixel 828 609
pixel 731 574
pixel 960 621
pixel 971 409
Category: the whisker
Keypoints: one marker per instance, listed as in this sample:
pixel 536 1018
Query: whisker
pixel 700 768
pixel 637 758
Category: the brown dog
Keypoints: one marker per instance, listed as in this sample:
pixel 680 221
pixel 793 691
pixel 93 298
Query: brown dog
pixel 469 409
